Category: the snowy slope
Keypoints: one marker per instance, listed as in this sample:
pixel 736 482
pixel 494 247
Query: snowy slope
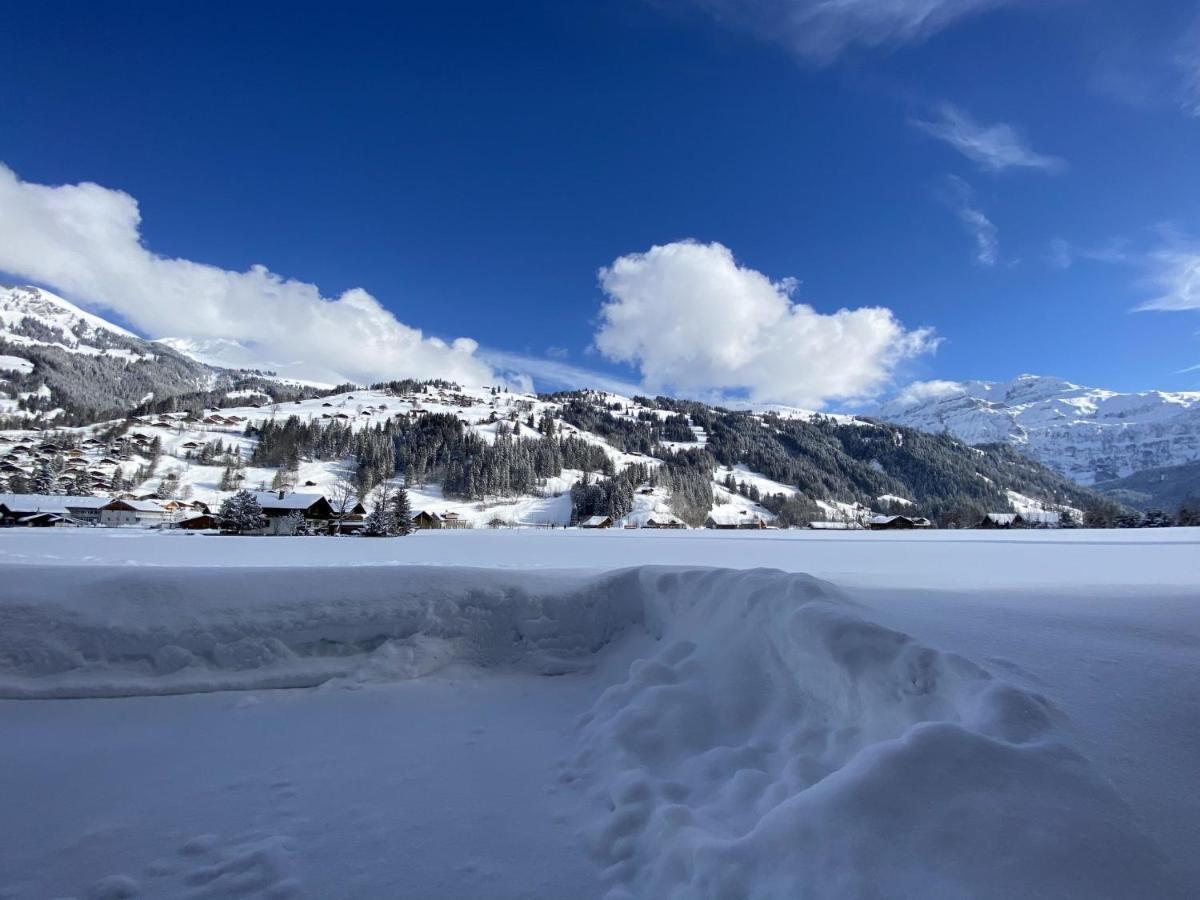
pixel 19 305
pixel 1088 434
pixel 66 358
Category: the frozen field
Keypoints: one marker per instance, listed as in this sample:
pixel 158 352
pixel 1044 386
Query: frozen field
pixel 600 714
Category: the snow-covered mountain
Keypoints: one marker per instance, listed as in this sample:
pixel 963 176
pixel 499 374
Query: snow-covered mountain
pixel 61 364
pixel 1088 434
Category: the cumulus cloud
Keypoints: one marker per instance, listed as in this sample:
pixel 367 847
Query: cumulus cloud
pixel 960 198
pixel 819 31
pixel 694 321
pixel 994 148
pixel 85 241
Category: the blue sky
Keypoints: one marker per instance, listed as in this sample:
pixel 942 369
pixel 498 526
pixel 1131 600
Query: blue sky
pixel 1009 180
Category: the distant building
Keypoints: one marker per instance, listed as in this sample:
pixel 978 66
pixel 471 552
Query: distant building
pixel 132 512
pixel 281 509
pixel 897 523
pixel 727 520
pixel 427 520
pixel 84 510
pixel 665 520
pixel 597 522
pixel 201 522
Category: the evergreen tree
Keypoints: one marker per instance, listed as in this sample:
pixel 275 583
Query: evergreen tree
pixel 380 521
pixel 240 513
pixel 43 481
pixel 402 522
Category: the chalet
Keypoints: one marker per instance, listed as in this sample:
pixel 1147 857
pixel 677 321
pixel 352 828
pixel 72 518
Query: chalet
pixel 726 520
pixel 280 506
pixel 426 520
pixel 46 520
pixel 200 522
pixel 123 512
pixel 665 520
pixel 191 445
pixel 82 509
pixel 454 520
pixel 896 523
pixel 597 522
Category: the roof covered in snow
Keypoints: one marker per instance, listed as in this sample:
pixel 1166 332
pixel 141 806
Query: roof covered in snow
pixel 55 503
pixel 292 500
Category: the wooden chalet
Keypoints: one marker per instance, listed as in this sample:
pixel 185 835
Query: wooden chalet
pixel 897 523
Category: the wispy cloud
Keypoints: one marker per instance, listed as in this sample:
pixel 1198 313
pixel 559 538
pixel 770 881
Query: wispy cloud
pixel 819 31
pixel 1063 254
pixel 1187 60
pixel 994 148
pixel 552 374
pixel 1175 276
pixel 959 196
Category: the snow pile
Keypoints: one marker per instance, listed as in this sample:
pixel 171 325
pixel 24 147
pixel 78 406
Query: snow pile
pixel 121 632
pixel 768 739
pixel 777 745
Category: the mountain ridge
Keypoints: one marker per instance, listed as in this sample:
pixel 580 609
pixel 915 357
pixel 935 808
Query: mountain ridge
pixel 1088 434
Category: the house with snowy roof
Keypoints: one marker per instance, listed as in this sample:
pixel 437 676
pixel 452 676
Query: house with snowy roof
pixel 726 519
pixel 124 512
pixel 897 523
pixel 665 520
pixel 15 507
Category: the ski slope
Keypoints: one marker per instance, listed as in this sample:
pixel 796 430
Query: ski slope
pixel 600 714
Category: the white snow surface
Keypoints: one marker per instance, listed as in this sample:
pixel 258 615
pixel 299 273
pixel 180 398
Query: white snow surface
pixel 828 715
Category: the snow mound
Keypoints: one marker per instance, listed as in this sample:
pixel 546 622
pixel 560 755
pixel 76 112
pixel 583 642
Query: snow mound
pixel 778 745
pixel 767 741
pixel 109 631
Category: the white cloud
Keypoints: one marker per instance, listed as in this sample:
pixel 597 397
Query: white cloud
pixel 549 374
pixel 923 391
pixel 84 240
pixel 961 199
pixel 1062 254
pixel 1188 61
pixel 994 148
pixel 694 321
pixel 1175 274
pixel 819 31
pixel 557 352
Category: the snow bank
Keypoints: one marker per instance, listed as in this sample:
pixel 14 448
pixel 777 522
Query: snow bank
pixel 778 745
pixel 768 740
pixel 104 632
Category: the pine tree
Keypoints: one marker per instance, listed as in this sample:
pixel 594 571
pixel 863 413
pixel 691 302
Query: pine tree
pixel 402 522
pixel 43 481
pixel 380 522
pixel 240 513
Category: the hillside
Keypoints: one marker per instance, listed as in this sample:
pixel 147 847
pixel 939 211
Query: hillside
pixel 62 366
pixel 1165 488
pixel 491 455
pixel 1087 434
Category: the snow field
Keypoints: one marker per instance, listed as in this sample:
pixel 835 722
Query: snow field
pixel 749 733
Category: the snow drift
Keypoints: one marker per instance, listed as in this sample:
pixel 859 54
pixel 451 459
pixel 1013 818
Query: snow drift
pixel 767 740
